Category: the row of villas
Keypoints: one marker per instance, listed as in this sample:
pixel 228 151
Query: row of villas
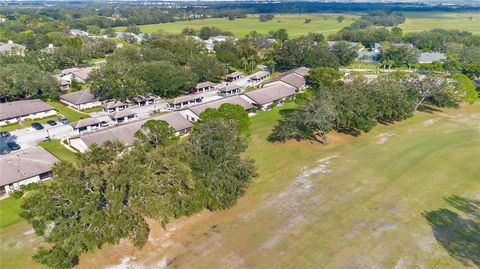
pixel 35 164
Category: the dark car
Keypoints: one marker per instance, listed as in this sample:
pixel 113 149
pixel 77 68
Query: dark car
pixel 13 146
pixel 4 150
pixel 4 134
pixel 63 120
pixel 51 122
pixel 37 126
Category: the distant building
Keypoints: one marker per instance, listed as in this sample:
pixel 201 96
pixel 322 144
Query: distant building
pixel 79 74
pixel 234 76
pixel 80 100
pixel 259 76
pixel 11 48
pixel 16 111
pixel 230 90
pixel 184 101
pixel 129 37
pixel 78 32
pixel 23 167
pixel 430 57
pixel 368 56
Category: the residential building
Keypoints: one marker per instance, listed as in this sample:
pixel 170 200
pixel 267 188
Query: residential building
pixel 125 133
pixel 290 79
pixel 184 101
pixel 267 97
pixel 230 90
pixel 368 56
pixel 80 100
pixel 16 111
pixel 259 76
pixel 114 106
pixel 78 32
pixel 123 116
pixel 204 87
pixel 23 167
pixel 193 113
pixel 430 57
pixel 85 125
pixel 79 74
pixel 144 100
pixel 131 37
pixel 11 48
pixel 234 76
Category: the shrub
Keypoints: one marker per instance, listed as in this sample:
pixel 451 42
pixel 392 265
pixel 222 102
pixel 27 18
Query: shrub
pixel 16 194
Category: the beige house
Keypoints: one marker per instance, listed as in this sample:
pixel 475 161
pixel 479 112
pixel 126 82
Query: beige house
pixel 229 90
pixel 114 106
pixel 125 133
pixel 122 116
pixel 24 167
pixel 13 112
pixel 85 125
pixel 265 98
pixel 80 100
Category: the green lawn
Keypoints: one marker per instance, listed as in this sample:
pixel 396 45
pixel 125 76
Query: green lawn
pixel 70 113
pixel 9 209
pixel 54 147
pixel 357 202
pixel 420 21
pixel 293 23
pixel 92 109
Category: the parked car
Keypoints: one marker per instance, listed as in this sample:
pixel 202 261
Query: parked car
pixel 13 146
pixel 63 120
pixel 37 126
pixel 51 122
pixel 4 134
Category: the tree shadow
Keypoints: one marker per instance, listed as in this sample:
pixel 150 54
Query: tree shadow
pixel 286 111
pixel 428 109
pixel 458 232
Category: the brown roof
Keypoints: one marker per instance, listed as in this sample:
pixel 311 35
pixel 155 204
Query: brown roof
pixel 234 74
pixel 259 75
pixel 84 123
pixel 21 108
pixel 113 104
pixel 79 97
pixel 205 84
pixel 24 164
pixel 293 79
pixel 125 133
pixel 302 71
pixel 230 88
pixel 270 94
pixel 122 114
pixel 185 98
pixel 236 100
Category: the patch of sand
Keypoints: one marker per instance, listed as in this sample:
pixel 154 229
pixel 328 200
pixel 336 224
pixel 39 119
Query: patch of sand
pixel 383 138
pixel 403 263
pixel 429 122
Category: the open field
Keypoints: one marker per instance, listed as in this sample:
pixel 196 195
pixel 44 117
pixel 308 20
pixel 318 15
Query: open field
pixel 294 24
pixel 354 203
pixel 420 21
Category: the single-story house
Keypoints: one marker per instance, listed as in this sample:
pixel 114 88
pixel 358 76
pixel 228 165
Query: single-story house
pixel 193 113
pixel 302 71
pixel 78 32
pixel 266 97
pixel 12 48
pixel 114 106
pixel 123 116
pixel 368 56
pixel 204 87
pixel 259 76
pixel 85 125
pixel 229 90
pixel 144 100
pixel 80 100
pixel 430 57
pixel 125 133
pixel 333 43
pixel 24 167
pixel 233 76
pixel 79 74
pixel 183 101
pixel 16 111
pixel 291 79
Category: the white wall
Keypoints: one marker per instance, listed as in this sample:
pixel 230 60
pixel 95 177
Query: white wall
pixel 82 106
pixel 78 144
pixel 31 117
pixel 24 182
pixel 189 115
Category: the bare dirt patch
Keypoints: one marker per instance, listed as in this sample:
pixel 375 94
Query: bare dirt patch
pixel 429 122
pixel 383 138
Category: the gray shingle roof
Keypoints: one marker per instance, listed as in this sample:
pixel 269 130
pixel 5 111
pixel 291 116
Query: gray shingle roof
pixel 113 104
pixel 259 75
pixel 236 100
pixel 234 74
pixel 122 114
pixel 79 97
pixel 292 79
pixel 230 88
pixel 84 123
pixel 430 57
pixel 22 108
pixel 270 94
pixel 125 133
pixel 24 164
pixel 205 84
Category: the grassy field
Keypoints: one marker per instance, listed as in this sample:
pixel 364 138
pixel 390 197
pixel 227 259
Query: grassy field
pixel 54 147
pixel 420 21
pixel 69 113
pixel 294 24
pixel 358 202
pixel 9 209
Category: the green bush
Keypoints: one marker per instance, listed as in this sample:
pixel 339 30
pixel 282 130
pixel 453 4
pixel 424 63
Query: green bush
pixel 32 186
pixel 16 194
